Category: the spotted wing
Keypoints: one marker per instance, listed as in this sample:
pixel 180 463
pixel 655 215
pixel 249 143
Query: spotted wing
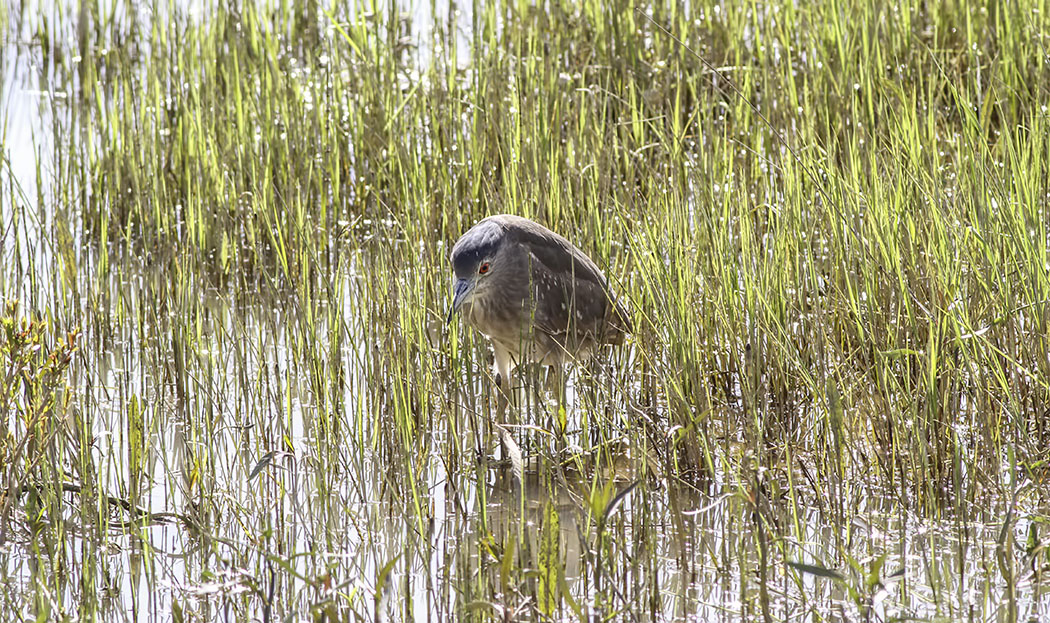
pixel 574 305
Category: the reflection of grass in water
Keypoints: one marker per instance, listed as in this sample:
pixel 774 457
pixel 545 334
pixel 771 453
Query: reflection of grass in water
pixel 837 340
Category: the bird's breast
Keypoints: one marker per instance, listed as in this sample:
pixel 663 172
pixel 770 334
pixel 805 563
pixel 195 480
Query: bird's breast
pixel 502 317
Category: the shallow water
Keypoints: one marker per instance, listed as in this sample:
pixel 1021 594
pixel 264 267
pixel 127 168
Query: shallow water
pixel 270 455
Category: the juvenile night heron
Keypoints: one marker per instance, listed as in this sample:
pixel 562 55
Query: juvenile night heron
pixel 535 295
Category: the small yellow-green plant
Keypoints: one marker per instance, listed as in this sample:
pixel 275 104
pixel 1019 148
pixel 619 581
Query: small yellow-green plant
pixel 34 398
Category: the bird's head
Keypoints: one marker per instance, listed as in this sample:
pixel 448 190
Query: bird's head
pixel 476 257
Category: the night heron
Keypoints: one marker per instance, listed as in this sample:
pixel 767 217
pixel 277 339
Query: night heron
pixel 535 295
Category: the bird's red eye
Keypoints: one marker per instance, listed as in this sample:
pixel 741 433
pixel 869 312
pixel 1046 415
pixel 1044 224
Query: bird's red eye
pixel 484 268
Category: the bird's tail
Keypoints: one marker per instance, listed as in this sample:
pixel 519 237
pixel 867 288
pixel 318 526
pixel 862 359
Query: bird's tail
pixel 619 323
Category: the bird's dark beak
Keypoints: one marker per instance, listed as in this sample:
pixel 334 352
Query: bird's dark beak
pixel 462 290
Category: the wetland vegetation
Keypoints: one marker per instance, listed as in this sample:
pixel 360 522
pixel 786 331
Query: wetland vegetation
pixel 227 390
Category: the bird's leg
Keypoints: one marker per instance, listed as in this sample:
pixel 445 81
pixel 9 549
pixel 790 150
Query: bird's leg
pixel 502 363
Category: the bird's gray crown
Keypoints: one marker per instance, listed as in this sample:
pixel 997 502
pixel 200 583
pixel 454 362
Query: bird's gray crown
pixel 480 243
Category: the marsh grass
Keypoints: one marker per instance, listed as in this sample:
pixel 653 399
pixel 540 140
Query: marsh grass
pixel 830 224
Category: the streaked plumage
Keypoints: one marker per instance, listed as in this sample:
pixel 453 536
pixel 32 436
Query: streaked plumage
pixel 537 296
